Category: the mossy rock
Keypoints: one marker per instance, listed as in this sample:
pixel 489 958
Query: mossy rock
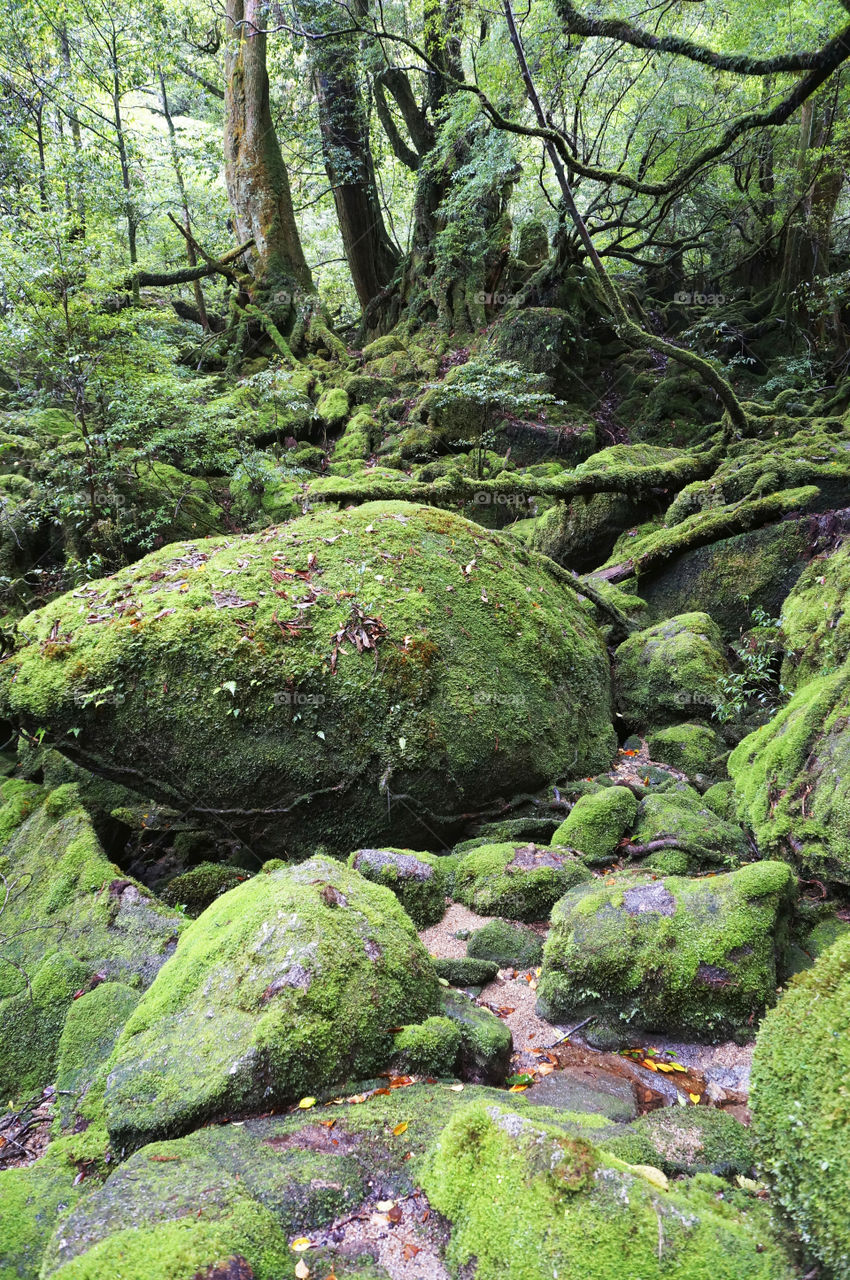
pixel 429 1048
pixel 285 984
pixel 485 1042
pixel 792 779
pixel 514 830
pixel 466 971
pixel 703 839
pixel 800 1106
pixel 92 1026
pixel 688 1140
pixel 333 407
pixel 31 1200
pixel 175 1209
pixel 195 889
pixel 816 619
pixel 507 945
pixel 74 920
pixel 385 346
pixel 669 954
pixel 520 882
pixel 720 799
pixel 690 748
pixel 528 1201
pixel 417 880
pixel 541 339
pixel 597 823
pixel 286 718
pixel 731 576
pixel 666 670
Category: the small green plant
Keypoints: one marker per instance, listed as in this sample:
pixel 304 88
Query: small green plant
pixel 757 679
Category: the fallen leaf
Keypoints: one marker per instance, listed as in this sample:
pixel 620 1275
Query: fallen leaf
pixel 384 1206
pixel 400 1128
pixel 653 1175
pixel 694 1097
pixel 328 1124
pixel 300 1243
pixel 394 1214
pixel 545 1069
pixel 306 1103
pixel 456 1088
pixel 302 1271
pixel 410 1251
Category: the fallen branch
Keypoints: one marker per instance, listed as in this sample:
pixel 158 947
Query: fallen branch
pixel 215 266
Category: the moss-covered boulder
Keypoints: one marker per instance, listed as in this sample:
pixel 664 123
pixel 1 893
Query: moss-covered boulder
pixel 687 1140
pixel 176 1209
pixel 792 779
pixel 429 1048
pixel 93 1024
pixel 691 748
pixel 520 882
pixel 801 1107
pixel 667 954
pixel 506 944
pixel 31 1201
pixel 816 619
pixel 295 681
pixel 597 823
pixel 417 880
pixel 666 671
pixel 695 836
pixel 528 1201
pixel 71 920
pixel 485 1041
pixel 286 984
pixel 194 890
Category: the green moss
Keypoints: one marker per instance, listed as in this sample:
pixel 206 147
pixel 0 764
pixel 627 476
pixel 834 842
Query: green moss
pixel 597 823
pixel 680 813
pixel 816 619
pixel 690 748
pixel 792 779
pixel 428 1048
pixel 461 695
pixel 466 971
pixel 720 799
pixel 385 346
pixel 194 890
pixel 530 1202
pixel 73 916
pixel 31 1200
pixel 91 1027
pixel 285 984
pixel 687 1140
pixel 665 954
pixel 507 945
pixel 333 407
pixel 801 1107
pixel 520 882
pixel 668 668
pixel 358 439
pixel 417 879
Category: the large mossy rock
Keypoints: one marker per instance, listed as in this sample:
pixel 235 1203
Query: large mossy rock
pixel 792 779
pixel 71 920
pixel 303 677
pixel 667 954
pixel 688 1140
pixel 700 838
pixel 816 619
pixel 285 985
pixel 530 1202
pixel 519 882
pixel 801 1106
pixel 176 1209
pixel 670 670
pixel 32 1198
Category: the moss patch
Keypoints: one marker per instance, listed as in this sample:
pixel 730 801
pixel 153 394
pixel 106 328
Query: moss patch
pixel 667 669
pixel 506 945
pixel 520 882
pixel 597 823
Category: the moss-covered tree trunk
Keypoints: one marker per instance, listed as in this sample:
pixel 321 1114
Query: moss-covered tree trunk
pixel 257 181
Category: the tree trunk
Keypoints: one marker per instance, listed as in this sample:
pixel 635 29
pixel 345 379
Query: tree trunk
pixel 257 181
pixel 344 121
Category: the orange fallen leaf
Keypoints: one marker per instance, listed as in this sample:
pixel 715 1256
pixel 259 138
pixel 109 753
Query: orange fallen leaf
pixel 647 1062
pixel 400 1128
pixel 328 1124
pixel 518 1088
pixel 410 1251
